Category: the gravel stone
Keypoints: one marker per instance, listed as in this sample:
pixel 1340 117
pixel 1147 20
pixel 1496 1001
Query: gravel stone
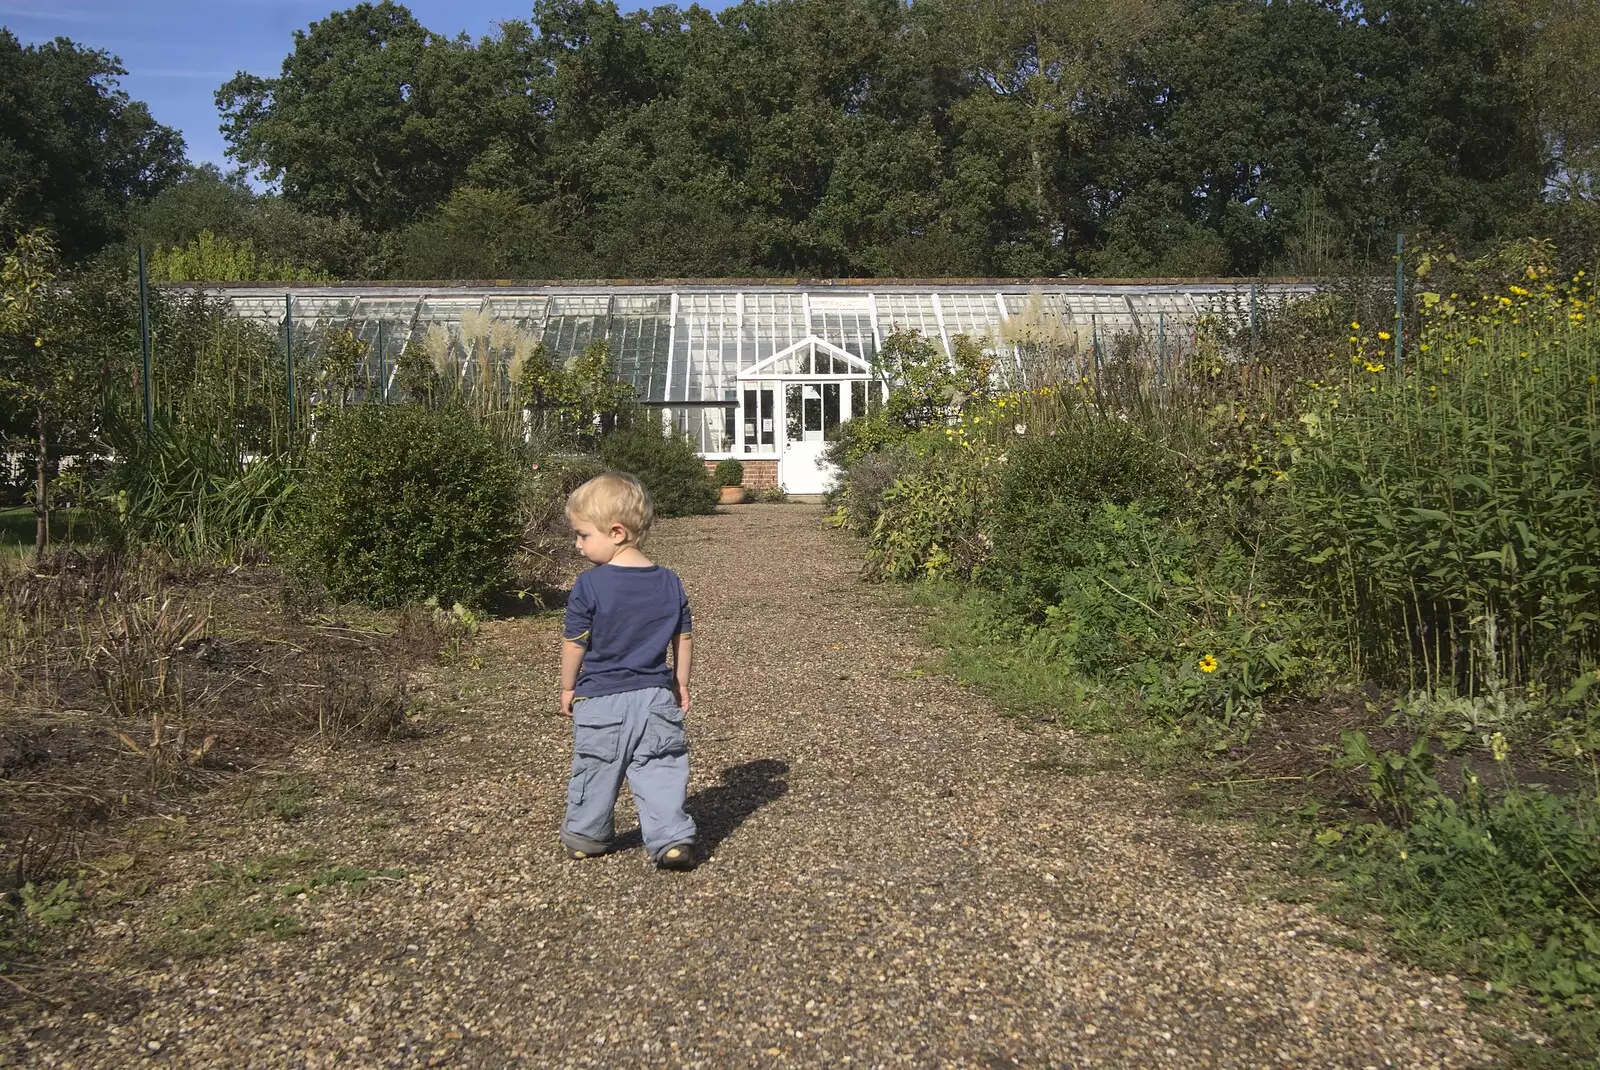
pixel 898 877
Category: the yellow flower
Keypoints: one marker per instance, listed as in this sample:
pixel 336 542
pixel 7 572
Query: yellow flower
pixel 1384 336
pixel 38 343
pixel 1208 664
pixel 1355 326
pixel 1498 747
pixel 1520 292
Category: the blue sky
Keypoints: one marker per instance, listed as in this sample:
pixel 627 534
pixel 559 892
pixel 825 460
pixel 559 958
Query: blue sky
pixel 178 52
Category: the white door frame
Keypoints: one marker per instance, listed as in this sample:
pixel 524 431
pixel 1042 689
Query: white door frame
pixel 799 470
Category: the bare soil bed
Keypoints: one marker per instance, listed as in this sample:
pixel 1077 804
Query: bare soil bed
pixel 898 876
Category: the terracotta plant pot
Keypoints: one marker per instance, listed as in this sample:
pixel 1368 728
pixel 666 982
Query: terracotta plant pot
pixel 731 496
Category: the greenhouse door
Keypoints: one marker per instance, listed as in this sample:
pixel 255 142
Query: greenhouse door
pixel 812 414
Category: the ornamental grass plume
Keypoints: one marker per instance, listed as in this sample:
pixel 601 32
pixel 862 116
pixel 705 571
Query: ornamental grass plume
pixel 436 343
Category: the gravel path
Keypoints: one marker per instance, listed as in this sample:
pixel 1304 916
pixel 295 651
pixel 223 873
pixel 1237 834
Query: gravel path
pixel 900 877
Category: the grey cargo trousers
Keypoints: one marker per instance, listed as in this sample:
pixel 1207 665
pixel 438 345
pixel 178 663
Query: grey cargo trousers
pixel 637 734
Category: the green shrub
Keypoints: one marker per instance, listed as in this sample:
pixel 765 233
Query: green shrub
pixel 1050 487
pixel 859 493
pixel 1161 613
pixel 401 503
pixel 182 489
pixel 545 487
pixel 863 436
pixel 546 546
pixel 928 523
pixel 730 473
pixel 665 463
pixel 1505 888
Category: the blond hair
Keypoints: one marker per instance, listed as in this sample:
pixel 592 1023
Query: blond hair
pixel 614 498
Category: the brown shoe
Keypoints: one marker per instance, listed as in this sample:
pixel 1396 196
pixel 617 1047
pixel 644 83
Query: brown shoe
pixel 680 856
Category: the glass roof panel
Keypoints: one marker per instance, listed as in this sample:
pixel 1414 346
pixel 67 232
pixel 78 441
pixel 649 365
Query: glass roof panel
pixel 907 312
pixel 448 309
pixel 517 308
pixel 1174 305
pixel 1220 301
pixel 850 330
pixel 694 357
pixel 572 322
pixel 324 307
pixel 772 323
pixel 263 308
pixel 388 308
pixel 640 330
pixel 395 314
pixel 1102 315
pixel 976 315
pixel 705 359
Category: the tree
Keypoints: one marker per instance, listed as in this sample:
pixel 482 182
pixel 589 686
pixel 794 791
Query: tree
pixel 945 137
pixel 76 154
pixel 1454 119
pixel 477 234
pixel 1240 128
pixel 1040 73
pixel 372 116
pixel 49 378
pixel 204 199
pixel 209 258
pixel 1565 65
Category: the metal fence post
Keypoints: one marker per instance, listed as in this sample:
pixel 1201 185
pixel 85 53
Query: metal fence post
pixel 144 344
pixel 1252 312
pixel 383 366
pixel 288 351
pixel 1094 334
pixel 1161 344
pixel 1399 301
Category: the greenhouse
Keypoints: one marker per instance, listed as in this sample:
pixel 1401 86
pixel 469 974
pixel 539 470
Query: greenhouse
pixel 761 371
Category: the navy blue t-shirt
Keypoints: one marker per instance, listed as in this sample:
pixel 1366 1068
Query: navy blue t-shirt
pixel 625 618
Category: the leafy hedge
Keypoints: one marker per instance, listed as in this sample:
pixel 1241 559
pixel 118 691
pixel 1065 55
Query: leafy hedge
pixel 401 503
pixel 665 463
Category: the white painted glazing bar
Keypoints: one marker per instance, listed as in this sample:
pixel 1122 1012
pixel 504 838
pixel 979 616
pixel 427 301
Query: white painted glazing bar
pixel 944 335
pixel 672 345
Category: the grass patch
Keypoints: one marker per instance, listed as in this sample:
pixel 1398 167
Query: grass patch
pixel 967 626
pixel 35 911
pixel 127 680
pixel 17 528
pixel 287 799
pixel 16 531
pixel 254 898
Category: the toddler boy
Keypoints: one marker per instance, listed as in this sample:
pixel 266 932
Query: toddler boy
pixel 616 684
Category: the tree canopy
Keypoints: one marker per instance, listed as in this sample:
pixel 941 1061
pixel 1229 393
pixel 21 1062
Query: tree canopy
pixel 847 138
pixel 76 154
pixel 977 137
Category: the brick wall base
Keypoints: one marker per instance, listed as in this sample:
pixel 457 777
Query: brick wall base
pixel 758 475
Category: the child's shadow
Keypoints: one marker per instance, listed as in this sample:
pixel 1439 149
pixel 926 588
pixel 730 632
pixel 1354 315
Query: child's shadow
pixel 720 809
pixel 746 788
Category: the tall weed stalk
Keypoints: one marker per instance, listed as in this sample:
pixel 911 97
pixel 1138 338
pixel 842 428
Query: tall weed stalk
pixel 1451 513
